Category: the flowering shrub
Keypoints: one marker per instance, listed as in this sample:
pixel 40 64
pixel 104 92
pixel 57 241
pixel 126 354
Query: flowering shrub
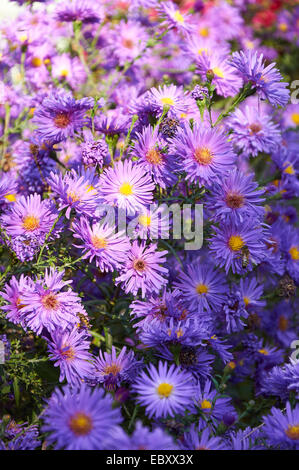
pixel 118 331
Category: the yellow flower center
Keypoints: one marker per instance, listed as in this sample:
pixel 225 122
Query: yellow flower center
pixel 178 17
pixel 126 189
pixel 289 170
pixel 36 62
pixel 167 100
pixel 68 352
pixel 164 390
pixel 30 222
pixel 246 301
pixel 202 289
pixel 283 27
pixel 112 369
pixel 206 405
pixel 80 424
pixel 145 220
pixel 204 32
pixel 98 243
pixel 154 157
pixel 179 333
pixel 293 432
pixel 64 73
pixel 217 71
pixel 50 302
pixel 203 155
pixel 283 323
pixel 263 351
pixel 294 252
pixel 295 118
pixel 235 243
pixel 10 197
pixel 232 365
pixel 73 196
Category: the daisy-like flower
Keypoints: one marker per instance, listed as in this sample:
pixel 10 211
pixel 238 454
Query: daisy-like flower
pixel 68 69
pixel 165 391
pixel 223 75
pixel 251 292
pixel 79 419
pixel 205 154
pixel 141 439
pixel 128 41
pixel 12 294
pixel 235 198
pixel 175 19
pixel 290 246
pixel 69 350
pixel 211 404
pixel 8 187
pixel 102 243
pixel 112 369
pixel 282 428
pixel 142 270
pixel 79 10
pixel 60 115
pixel 232 242
pixel 46 305
pixel 155 160
pixel 127 187
pixel 30 216
pixel 205 441
pixel 202 288
pixel 169 96
pixel 253 132
pixel 266 79
pixel 77 190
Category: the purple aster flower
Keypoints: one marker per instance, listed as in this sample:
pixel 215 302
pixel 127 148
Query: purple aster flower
pixel 77 190
pixel 282 429
pixel 69 350
pixel 158 309
pixel 112 369
pixel 141 439
pixel 290 246
pixel 213 405
pixel 175 19
pixel 165 392
pixel 60 115
pixel 149 149
pixel 94 152
pixel 202 288
pixel 30 216
pixel 205 154
pixel 224 77
pixel 253 132
pixel 79 10
pixel 25 246
pixel 266 79
pixel 234 312
pixel 280 381
pixel 232 242
pixel 8 187
pixel 251 292
pixel 100 242
pixel 142 270
pixel 46 305
pixel 79 419
pixel 12 294
pixel 21 437
pixel 194 441
pixel 127 187
pixel 127 41
pixel 189 332
pixel 169 96
pixel 236 198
